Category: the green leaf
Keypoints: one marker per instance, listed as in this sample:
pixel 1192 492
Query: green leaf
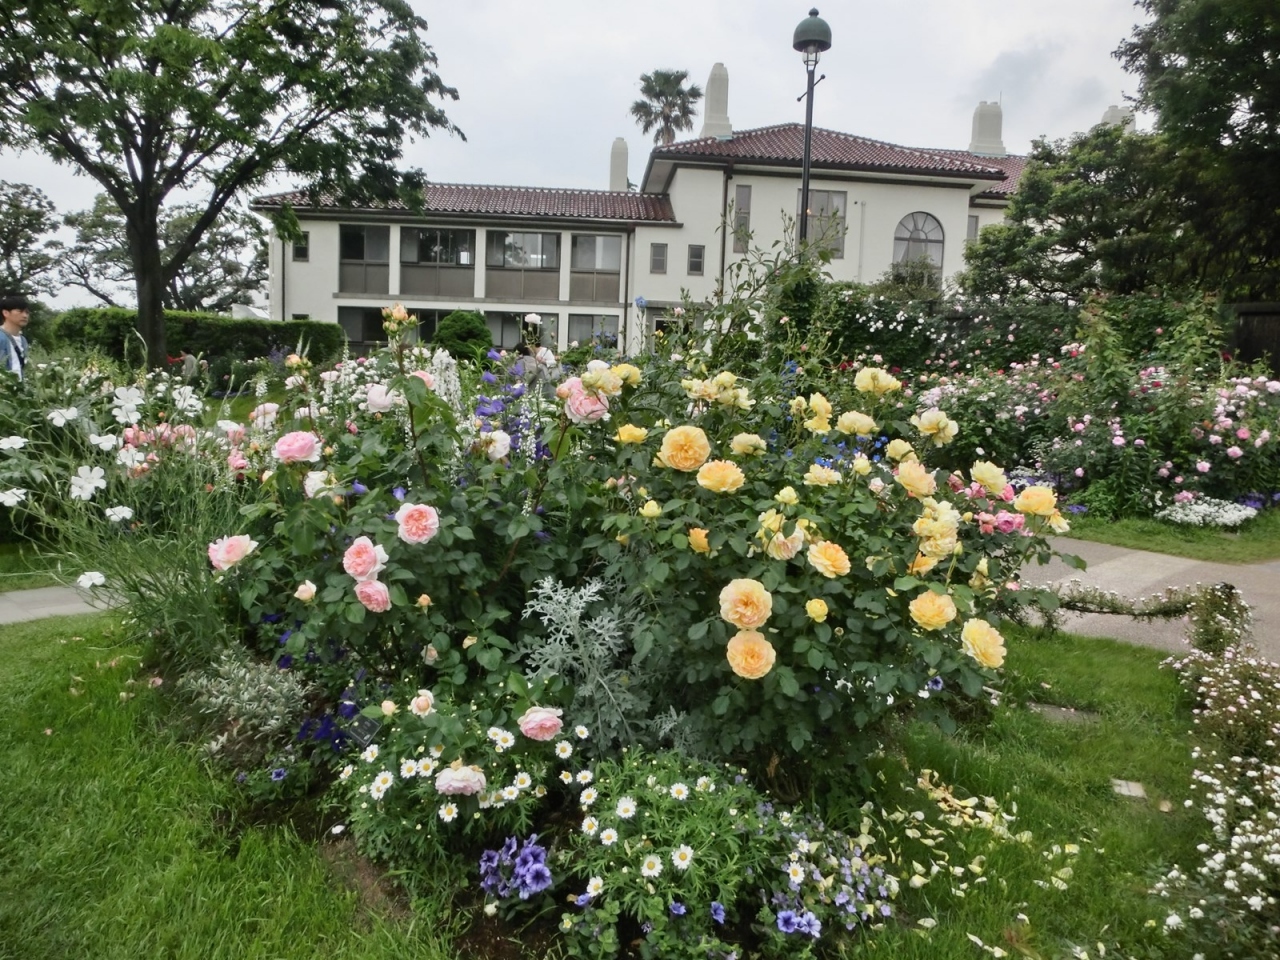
pixel 787 682
pixel 354 613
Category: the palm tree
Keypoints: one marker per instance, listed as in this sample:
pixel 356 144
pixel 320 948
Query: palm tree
pixel 667 105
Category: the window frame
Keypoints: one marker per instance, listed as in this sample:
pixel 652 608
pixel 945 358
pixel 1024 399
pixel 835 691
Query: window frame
pixel 702 259
pixel 492 241
pixel 917 225
pixel 741 217
pixel 303 245
pixel 817 222
pixel 456 249
pixel 654 250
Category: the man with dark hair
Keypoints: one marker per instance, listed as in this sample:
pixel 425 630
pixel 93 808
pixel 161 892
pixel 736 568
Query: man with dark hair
pixel 15 313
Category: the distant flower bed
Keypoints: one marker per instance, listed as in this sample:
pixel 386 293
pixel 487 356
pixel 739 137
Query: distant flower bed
pixel 1207 512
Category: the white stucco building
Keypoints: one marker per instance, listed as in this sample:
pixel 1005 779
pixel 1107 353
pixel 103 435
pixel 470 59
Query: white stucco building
pixel 611 261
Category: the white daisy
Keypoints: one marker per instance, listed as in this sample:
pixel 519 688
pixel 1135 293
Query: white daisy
pixel 408 768
pixel 682 856
pixel 539 791
pixel 383 781
pixel 588 797
pixel 12 443
pixel 506 740
pixel 584 777
pixel 626 808
pixel 377 792
pixel 346 772
pixel 594 887
pixel 564 750
pixel 437 750
pixel 795 873
pixel 608 836
pixel 426 767
pixel 590 826
pixel 118 514
pixel 651 867
pixel 566 776
pixel 448 812
pixel 679 791
pixel 370 753
pixel 581 732
pixel 86 481
pixel 523 781
pixel 704 785
pixel 510 793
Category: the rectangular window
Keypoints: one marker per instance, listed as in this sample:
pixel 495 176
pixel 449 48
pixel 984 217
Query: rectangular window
pixel 602 254
pixel 741 217
pixel 362 325
pixel 435 246
pixel 522 251
pixel 601 328
pixel 826 227
pixel 299 316
pixel 363 254
pixel 302 248
pixel 972 233
pixel 697 254
pixel 657 258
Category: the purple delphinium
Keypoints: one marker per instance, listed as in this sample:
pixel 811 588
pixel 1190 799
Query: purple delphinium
pixel 398 492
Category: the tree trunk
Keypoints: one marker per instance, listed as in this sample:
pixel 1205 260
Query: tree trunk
pixel 144 249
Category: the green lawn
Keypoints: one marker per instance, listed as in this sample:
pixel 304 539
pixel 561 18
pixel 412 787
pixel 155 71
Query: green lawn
pixel 115 842
pixel 1256 542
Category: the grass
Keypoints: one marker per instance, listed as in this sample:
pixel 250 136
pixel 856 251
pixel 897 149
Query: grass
pixel 24 567
pixel 1258 541
pixel 116 843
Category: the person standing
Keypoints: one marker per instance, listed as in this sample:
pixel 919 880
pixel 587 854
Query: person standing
pixel 189 366
pixel 15 314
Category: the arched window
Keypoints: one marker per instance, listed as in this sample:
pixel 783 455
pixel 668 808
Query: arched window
pixel 919 236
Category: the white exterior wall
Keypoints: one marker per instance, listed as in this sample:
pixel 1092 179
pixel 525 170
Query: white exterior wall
pixel 309 287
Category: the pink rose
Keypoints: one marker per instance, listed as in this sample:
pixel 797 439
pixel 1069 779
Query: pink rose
pixel 457 779
pixel 298 446
pixel 373 594
pixel 227 552
pixel 266 412
pixel 1202 466
pixel 986 523
pixel 363 560
pixel 418 522
pixel 1235 453
pixel 1007 522
pixel 541 723
pixel 236 461
pixel 425 377
pixel 1008 493
pixel 422 704
pixel 379 399
pixel 580 406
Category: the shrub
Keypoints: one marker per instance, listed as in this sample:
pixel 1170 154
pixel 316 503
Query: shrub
pixel 464 334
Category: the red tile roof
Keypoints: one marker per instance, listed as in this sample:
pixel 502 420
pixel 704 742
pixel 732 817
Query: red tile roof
pixel 1011 165
pixel 784 143
pixel 528 202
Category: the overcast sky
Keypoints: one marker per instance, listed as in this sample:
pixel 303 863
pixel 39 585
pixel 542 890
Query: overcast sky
pixel 544 87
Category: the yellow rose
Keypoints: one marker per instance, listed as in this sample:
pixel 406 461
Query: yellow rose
pixel 990 476
pixel 698 540
pixel 747 445
pixel 817 610
pixel 627 373
pixel 750 655
pixel 861 465
pixel 983 642
pixel 932 611
pixel 787 496
pixel 651 509
pixel 745 603
pixel 923 563
pixel 818 425
pixel 724 380
pixel 771 521
pixel 829 559
pixel 797 406
pixel 631 434
pixel 979 578
pixel 684 448
pixel 935 425
pixel 900 450
pixel 856 424
pixel 721 476
pixel 1038 501
pixel 623 538
pixel 604 382
pixel 820 476
pixel 698 389
pixel 820 406
pixel 1058 523
pixel 916 479
pixel 876 381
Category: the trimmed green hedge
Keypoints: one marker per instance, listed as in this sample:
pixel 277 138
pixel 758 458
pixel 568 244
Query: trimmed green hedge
pixel 110 330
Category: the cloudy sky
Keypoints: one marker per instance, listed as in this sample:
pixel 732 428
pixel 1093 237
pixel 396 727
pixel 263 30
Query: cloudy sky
pixel 544 87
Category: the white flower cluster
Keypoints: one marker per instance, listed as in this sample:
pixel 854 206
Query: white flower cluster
pixel 1207 512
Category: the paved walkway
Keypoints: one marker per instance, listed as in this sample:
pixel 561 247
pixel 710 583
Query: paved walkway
pixel 1136 573
pixel 1132 573
pixel 19 605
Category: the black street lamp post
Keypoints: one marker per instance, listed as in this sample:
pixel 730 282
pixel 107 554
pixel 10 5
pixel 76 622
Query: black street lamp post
pixel 812 37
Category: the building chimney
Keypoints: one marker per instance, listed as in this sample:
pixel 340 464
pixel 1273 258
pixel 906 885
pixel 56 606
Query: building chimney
pixel 1118 117
pixel 987 121
pixel 715 105
pixel 618 166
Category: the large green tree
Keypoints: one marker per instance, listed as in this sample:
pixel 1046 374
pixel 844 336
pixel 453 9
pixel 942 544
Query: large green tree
pixel 27 251
pixel 227 266
pixel 213 97
pixel 1104 211
pixel 1210 69
pixel 667 106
